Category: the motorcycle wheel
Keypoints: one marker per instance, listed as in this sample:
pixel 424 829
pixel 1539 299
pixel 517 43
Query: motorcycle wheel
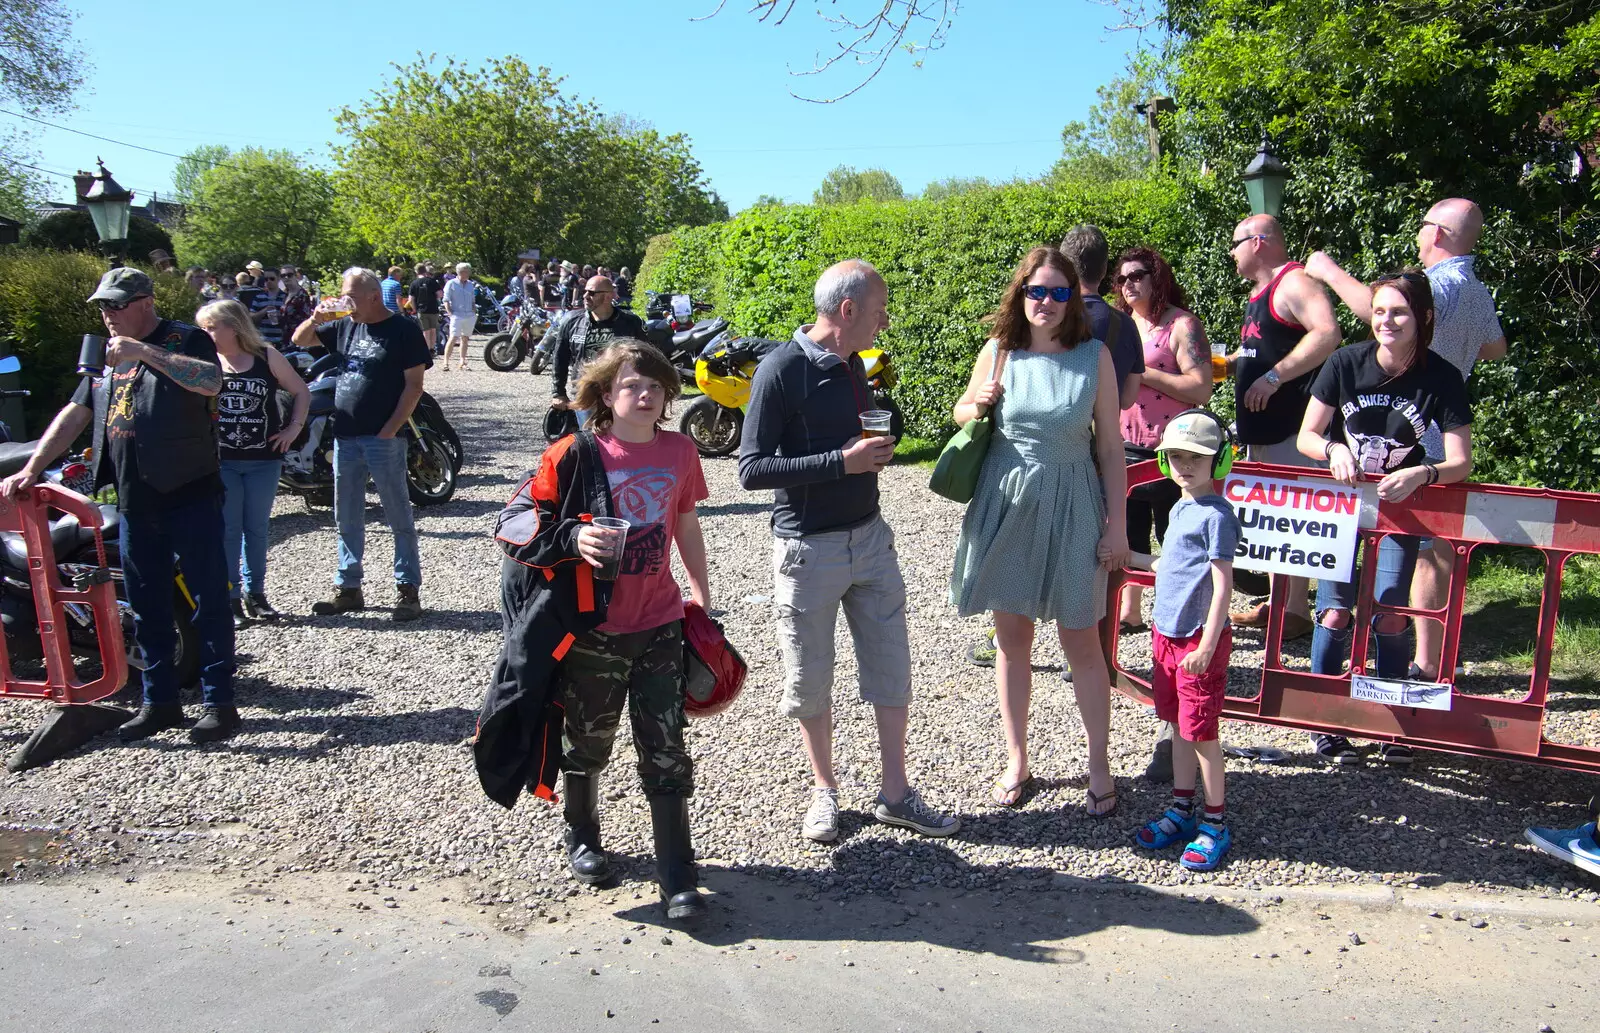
pixel 714 429
pixel 186 655
pixel 431 415
pixel 541 359
pixel 503 353
pixel 430 477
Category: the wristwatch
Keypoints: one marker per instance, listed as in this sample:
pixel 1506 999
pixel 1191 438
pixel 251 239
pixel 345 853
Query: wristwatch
pixel 1271 377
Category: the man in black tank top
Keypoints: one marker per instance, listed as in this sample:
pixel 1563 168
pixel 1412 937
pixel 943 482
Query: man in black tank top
pixel 1289 330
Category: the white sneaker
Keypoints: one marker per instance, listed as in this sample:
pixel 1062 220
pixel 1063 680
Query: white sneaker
pixel 822 817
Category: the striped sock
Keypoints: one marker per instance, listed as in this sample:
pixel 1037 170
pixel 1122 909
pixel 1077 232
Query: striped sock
pixel 1183 801
pixel 1214 815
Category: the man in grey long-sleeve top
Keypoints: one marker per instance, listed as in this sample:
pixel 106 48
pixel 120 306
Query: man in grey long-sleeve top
pixel 802 438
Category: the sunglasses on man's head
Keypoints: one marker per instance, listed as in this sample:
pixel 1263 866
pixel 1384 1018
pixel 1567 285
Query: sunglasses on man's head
pixel 1136 276
pixel 1061 295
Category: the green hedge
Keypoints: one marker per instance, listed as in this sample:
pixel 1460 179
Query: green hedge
pixel 43 317
pixel 946 263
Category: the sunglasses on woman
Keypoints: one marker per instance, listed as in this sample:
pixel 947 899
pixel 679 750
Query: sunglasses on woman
pixel 1060 295
pixel 1137 276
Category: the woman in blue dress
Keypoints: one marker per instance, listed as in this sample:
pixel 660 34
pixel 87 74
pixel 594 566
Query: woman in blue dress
pixel 1044 525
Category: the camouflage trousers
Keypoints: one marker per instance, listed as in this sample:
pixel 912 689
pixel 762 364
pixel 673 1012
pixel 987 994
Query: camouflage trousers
pixel 642 670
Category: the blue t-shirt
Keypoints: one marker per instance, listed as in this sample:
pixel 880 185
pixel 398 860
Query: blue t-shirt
pixel 1198 531
pixel 391 293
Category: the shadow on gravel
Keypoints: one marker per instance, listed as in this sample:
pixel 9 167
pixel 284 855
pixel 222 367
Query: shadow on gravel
pixel 445 726
pixel 376 618
pixel 1026 921
pixel 257 692
pixel 470 480
pixel 735 509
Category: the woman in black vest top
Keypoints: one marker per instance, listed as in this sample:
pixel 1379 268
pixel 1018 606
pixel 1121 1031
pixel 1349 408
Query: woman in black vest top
pixel 251 441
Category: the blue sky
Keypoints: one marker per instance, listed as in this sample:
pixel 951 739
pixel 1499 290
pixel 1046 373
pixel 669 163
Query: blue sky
pixel 171 76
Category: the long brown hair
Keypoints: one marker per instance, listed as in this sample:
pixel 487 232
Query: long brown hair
pixel 602 370
pixel 1009 323
pixel 1164 287
pixel 1414 287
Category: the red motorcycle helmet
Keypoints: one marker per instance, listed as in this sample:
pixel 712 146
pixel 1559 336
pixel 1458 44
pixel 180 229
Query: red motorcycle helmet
pixel 714 670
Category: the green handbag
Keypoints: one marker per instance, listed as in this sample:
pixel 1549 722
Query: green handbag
pixel 955 475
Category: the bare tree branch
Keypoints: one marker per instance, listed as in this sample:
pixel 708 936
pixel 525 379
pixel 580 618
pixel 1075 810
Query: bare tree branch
pixel 869 42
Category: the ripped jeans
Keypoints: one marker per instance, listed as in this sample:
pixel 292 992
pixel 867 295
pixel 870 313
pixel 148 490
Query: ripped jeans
pixel 1330 647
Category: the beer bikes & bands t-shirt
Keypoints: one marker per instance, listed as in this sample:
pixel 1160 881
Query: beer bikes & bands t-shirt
pixel 1383 418
pixel 652 485
pixel 376 357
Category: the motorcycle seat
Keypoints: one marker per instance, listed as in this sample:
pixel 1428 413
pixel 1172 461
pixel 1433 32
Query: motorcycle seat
pixel 701 332
pixel 65 536
pixel 14 455
pixel 322 395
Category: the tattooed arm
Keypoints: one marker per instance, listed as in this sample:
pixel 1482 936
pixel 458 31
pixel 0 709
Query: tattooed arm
pixel 1192 384
pixel 201 376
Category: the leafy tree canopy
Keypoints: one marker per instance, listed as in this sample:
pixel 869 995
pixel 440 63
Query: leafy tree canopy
pixel 844 185
pixel 483 163
pixel 186 174
pixel 940 189
pixel 267 205
pixel 40 66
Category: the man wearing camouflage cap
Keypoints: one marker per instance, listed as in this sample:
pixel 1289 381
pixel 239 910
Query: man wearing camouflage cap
pixel 154 439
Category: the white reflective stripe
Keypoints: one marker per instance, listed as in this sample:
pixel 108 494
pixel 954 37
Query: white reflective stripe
pixel 1510 519
pixel 1369 504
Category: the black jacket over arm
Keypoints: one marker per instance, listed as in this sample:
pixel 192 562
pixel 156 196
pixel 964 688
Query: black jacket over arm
pixel 548 597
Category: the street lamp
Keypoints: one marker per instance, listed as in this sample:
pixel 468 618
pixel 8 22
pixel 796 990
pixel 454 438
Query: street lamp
pixel 1264 180
pixel 108 203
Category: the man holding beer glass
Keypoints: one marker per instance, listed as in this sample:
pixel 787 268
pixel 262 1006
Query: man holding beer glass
pixel 155 440
pixel 811 436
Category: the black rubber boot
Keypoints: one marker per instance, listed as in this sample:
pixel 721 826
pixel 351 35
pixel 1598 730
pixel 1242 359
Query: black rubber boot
pixel 588 861
pixel 1160 769
pixel 675 869
pixel 152 718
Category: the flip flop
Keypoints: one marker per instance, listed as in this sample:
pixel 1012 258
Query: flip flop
pixel 1096 799
pixel 1003 795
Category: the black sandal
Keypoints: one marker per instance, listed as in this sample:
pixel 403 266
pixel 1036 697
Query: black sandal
pixel 1096 799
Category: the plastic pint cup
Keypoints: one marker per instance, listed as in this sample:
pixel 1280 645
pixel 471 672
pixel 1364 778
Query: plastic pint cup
pixel 1219 368
pixel 617 530
pixel 875 423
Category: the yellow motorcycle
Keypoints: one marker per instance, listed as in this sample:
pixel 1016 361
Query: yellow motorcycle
pixel 723 371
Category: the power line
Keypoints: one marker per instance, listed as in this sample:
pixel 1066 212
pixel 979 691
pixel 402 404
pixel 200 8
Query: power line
pixel 120 143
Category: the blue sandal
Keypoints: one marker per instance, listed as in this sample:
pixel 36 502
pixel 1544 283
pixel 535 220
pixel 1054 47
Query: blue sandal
pixel 1211 843
pixel 1172 827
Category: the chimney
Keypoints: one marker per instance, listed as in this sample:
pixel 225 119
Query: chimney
pixel 83 181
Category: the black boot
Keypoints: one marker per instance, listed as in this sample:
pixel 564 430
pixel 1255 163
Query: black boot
pixel 216 724
pixel 241 619
pixel 588 861
pixel 675 868
pixel 152 718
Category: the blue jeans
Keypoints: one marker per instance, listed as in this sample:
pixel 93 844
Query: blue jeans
pixel 191 534
pixel 384 460
pixel 251 486
pixel 1330 647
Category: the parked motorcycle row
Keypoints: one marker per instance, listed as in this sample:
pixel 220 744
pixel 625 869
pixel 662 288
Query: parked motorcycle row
pixel 706 354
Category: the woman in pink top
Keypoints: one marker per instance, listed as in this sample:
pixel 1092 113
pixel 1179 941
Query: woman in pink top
pixel 1177 376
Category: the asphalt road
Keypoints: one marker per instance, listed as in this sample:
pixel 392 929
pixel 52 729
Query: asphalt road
pixel 301 953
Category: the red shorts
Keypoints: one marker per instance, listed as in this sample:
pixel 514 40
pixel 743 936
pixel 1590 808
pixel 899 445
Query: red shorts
pixel 1192 701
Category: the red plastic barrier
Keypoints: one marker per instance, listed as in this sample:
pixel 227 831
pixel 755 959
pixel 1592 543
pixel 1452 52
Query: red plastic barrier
pixel 1559 524
pixel 29 516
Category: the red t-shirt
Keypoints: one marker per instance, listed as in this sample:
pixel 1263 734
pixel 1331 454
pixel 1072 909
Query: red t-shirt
pixel 651 485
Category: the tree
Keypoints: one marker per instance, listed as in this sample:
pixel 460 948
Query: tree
pixel 866 39
pixel 1114 143
pixel 485 162
pixel 844 185
pixel 40 67
pixel 768 201
pixel 74 231
pixel 267 205
pixel 186 174
pixel 952 186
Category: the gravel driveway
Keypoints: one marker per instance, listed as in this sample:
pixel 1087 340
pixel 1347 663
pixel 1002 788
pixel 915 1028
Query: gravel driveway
pixel 354 755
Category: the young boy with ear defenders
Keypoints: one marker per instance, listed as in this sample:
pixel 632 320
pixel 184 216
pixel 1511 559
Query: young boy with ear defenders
pixel 1191 640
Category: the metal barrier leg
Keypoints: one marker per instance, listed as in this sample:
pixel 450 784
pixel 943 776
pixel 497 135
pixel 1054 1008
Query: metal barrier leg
pixel 65 730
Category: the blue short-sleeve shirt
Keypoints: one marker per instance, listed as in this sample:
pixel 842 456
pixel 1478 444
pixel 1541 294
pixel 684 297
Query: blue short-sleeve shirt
pixel 1198 531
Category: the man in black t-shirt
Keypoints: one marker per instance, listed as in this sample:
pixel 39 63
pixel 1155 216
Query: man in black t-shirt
pixel 155 440
pixel 384 359
pixel 425 300
pixel 1086 246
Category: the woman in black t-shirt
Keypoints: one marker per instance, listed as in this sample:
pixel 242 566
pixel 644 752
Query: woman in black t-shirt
pixel 1385 392
pixel 251 441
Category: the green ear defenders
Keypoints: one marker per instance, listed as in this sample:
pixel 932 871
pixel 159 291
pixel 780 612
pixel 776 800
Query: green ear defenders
pixel 1222 462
